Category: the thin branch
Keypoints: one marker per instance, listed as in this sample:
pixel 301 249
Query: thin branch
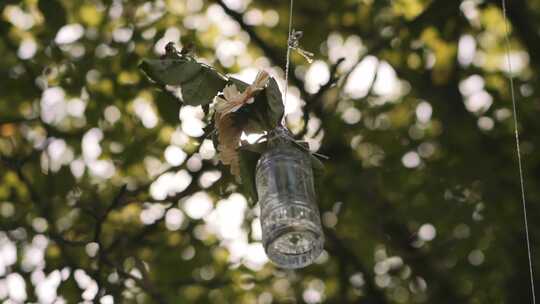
pixel 116 202
pixel 192 188
pixel 43 209
pixel 146 285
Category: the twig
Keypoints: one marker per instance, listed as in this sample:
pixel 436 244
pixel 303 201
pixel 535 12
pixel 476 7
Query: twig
pixel 146 285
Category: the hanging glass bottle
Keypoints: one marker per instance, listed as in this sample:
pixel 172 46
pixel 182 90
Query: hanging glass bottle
pixel 291 226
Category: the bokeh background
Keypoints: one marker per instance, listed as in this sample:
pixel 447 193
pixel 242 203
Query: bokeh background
pixel 108 193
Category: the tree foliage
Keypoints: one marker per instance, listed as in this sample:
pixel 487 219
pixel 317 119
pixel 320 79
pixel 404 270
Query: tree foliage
pixel 109 191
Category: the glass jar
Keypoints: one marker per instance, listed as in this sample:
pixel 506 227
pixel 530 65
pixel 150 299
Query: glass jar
pixel 291 226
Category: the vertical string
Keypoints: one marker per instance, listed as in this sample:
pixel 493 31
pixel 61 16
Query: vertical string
pixel 288 59
pixel 518 149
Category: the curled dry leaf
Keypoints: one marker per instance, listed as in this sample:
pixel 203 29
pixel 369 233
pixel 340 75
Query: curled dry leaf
pixel 228 137
pixel 234 99
pixel 228 133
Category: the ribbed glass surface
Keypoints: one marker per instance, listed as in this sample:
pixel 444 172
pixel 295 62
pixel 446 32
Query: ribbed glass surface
pixel 291 226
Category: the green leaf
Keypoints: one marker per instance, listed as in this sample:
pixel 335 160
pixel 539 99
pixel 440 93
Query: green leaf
pixel 168 108
pixel 259 148
pixel 203 88
pixel 171 71
pixel 248 164
pixel 275 102
pixel 252 117
pixel 199 82
pixel 254 126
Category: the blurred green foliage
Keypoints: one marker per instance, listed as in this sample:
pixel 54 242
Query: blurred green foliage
pixel 107 190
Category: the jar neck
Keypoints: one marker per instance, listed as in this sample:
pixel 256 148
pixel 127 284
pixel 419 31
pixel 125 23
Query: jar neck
pixel 279 137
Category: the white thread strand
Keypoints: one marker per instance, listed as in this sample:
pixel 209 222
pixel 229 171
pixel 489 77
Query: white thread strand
pixel 288 59
pixel 518 150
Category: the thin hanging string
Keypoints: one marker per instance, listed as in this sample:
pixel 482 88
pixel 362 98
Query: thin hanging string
pixel 288 59
pixel 518 150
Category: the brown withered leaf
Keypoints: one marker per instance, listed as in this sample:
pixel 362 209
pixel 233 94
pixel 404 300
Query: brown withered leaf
pixel 229 139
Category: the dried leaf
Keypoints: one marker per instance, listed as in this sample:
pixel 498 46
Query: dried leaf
pixel 229 131
pixel 229 139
